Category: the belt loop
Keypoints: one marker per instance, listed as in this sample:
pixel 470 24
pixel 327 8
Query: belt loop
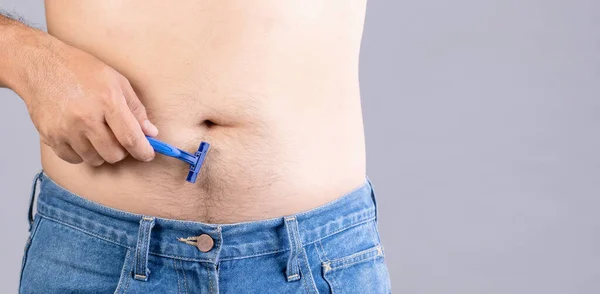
pixel 292 271
pixel 141 271
pixel 37 178
pixel 373 196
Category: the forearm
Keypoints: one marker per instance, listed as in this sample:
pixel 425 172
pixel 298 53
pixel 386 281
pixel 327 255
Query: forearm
pixel 8 28
pixel 18 46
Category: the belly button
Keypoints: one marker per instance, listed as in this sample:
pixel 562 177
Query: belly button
pixel 208 123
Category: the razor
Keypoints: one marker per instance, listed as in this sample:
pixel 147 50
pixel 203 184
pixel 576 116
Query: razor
pixel 194 160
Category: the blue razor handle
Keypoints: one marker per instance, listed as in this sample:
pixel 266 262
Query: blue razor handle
pixel 164 148
pixel 194 160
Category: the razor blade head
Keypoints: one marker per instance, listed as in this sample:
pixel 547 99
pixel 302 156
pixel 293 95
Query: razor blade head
pixel 195 168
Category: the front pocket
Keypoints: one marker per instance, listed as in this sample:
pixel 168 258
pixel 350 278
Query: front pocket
pixel 34 226
pixel 126 274
pixel 364 272
pixel 65 259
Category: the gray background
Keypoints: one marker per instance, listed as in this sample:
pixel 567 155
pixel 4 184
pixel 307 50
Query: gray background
pixel 482 122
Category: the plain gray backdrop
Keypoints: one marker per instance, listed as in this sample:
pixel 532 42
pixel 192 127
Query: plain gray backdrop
pixel 482 122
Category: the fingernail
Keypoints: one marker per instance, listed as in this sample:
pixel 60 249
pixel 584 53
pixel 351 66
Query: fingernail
pixel 151 153
pixel 149 158
pixel 151 128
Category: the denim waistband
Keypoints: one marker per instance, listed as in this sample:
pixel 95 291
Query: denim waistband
pixel 231 241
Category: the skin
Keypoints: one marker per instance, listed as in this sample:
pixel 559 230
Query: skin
pixel 271 85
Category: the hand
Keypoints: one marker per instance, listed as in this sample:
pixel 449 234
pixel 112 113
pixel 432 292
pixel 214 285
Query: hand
pixel 82 108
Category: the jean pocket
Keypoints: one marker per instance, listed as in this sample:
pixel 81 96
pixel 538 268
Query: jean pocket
pixel 126 274
pixel 362 272
pixel 65 259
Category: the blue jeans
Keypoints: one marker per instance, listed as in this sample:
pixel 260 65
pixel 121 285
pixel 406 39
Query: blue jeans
pixel 78 246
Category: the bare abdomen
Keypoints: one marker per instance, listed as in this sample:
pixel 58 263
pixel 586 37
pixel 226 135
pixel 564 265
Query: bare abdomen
pixel 273 89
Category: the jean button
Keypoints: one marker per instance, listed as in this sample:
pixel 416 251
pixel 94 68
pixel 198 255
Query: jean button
pixel 205 243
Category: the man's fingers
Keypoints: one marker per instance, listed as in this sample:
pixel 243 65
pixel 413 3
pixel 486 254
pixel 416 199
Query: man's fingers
pixel 128 132
pixel 66 153
pixel 138 109
pixel 107 145
pixel 86 151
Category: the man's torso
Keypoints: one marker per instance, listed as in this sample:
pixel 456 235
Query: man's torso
pixel 271 85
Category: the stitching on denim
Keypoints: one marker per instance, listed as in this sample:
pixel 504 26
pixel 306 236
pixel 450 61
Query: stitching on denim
pixel 356 262
pixel 375 231
pixel 129 247
pixel 206 260
pixel 209 281
pixel 323 250
pixel 298 241
pixel 290 269
pixel 308 276
pixel 218 271
pixel 319 254
pixel 341 230
pixel 138 262
pixel 123 270
pixel 355 255
pixel 177 274
pixel 304 282
pixel 330 283
pixel 143 246
pixel 362 256
pixel 144 249
pixel 283 250
pixel 131 264
pixel 185 287
pixel 219 246
pixel 326 266
pixel 261 222
pixel 296 232
pixel 255 255
pixel 179 257
pixel 84 231
pixel 178 277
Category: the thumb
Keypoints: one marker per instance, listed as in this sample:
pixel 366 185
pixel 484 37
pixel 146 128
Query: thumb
pixel 138 110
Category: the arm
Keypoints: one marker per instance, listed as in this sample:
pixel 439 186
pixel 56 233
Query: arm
pixel 9 29
pixel 82 108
